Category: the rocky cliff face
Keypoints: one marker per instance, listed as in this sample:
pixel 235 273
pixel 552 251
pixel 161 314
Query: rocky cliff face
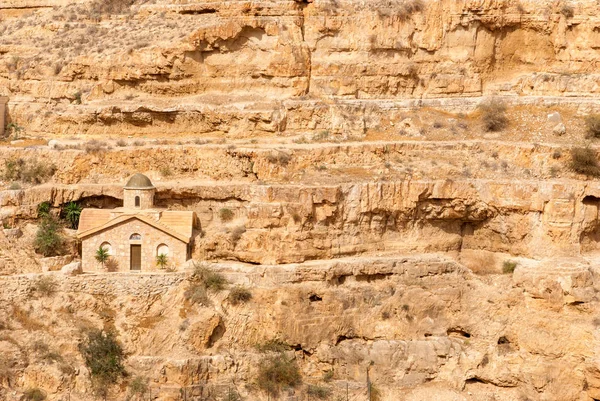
pixel 424 327
pixel 249 68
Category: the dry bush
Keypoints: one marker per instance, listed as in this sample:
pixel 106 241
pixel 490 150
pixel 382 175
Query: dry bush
pixel 493 115
pixel 237 233
pixel 567 11
pixel 45 285
pixel 584 161
pixel 480 262
pixel 226 214
pixel 25 320
pixel 95 146
pixel 30 171
pixel 197 294
pixel 592 123
pixel 34 394
pixel 401 9
pixel 239 295
pixel 318 392
pixel 281 158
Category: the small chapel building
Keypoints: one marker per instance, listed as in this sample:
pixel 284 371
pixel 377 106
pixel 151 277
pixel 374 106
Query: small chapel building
pixel 135 234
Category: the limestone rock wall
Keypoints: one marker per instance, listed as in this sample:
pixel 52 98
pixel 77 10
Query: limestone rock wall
pixel 426 326
pixel 250 67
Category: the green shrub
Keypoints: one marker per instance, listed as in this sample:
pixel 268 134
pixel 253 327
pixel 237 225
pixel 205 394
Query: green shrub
pixel 71 213
pixel 509 266
pixel 592 123
pixel 49 240
pixel 45 285
pixel 34 394
pixel 102 256
pixel 584 161
pixel 239 295
pixel 493 115
pixel 277 373
pixel 318 392
pixel 43 209
pixel 209 279
pixel 225 214
pixel 162 260
pixel 138 386
pixel 103 356
pixel 14 129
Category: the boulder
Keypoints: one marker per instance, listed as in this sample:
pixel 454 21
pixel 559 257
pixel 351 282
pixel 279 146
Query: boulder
pixel 559 129
pixel 13 233
pixel 72 269
pixel 555 117
pixel 55 263
pixel 564 280
pixel 52 143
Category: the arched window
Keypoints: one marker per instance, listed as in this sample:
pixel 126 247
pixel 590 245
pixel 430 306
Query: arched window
pixel 135 237
pixel 162 249
pixel 137 201
pixel 107 247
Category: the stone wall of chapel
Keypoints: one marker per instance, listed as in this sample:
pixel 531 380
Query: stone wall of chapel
pixel 118 237
pixel 146 198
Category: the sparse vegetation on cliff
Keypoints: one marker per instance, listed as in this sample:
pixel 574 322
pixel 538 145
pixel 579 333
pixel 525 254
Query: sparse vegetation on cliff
pixel 493 115
pixel 584 161
pixel 49 239
pixel 30 171
pixel 45 285
pixel 592 123
pixel 509 266
pixel 225 214
pixel 103 356
pixel 34 394
pixel 276 373
pixel 239 295
pixel 210 279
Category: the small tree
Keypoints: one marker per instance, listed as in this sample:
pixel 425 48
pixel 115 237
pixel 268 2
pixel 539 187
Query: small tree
pixel 103 357
pixel 102 255
pixel 277 373
pixel 162 260
pixel 49 240
pixel 71 214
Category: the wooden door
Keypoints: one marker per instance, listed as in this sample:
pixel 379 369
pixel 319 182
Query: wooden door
pixel 136 257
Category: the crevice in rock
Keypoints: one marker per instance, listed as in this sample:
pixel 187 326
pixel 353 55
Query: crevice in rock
pixel 372 277
pixel 458 332
pixel 216 335
pixel 315 298
pixel 341 338
pixel 198 12
pixel 474 380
